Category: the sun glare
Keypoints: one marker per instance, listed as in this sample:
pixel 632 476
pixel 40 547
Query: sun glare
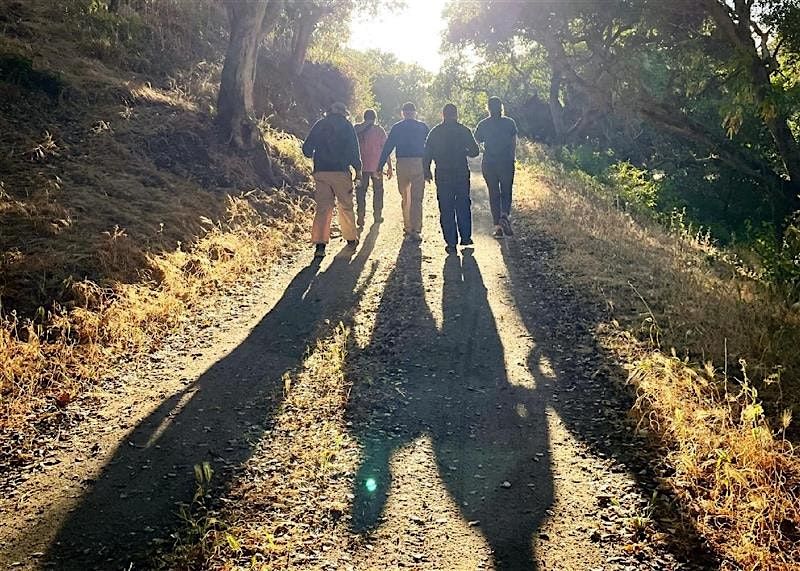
pixel 412 33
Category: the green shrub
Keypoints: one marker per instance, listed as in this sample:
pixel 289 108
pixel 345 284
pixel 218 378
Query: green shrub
pixel 635 186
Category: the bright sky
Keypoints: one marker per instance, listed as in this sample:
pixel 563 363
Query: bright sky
pixel 413 33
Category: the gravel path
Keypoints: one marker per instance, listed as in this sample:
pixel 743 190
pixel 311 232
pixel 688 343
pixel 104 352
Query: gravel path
pixel 492 434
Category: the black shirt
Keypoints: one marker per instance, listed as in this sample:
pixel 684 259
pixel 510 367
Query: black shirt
pixel 333 144
pixel 449 144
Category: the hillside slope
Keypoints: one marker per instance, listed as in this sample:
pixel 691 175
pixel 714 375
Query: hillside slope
pixel 120 208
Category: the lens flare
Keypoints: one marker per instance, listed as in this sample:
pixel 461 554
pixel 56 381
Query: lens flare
pixel 371 485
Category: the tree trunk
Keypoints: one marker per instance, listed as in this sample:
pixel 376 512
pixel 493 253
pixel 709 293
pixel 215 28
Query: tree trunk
pixel 301 41
pixel 556 109
pixel 235 100
pixel 777 123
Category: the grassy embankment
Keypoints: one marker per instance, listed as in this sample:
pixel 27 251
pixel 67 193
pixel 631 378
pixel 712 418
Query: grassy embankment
pixel 121 212
pixel 711 353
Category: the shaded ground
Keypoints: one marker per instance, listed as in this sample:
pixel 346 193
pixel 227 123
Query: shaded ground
pixel 491 434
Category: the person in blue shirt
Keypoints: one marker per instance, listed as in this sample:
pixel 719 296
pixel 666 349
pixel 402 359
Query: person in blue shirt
pixel 407 140
pixel 333 144
pixel 449 144
pixel 499 137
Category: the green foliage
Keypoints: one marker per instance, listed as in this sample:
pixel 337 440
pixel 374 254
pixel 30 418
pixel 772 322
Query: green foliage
pixel 148 36
pixel 677 106
pixel 20 71
pixel 634 185
pixel 780 258
pixel 592 161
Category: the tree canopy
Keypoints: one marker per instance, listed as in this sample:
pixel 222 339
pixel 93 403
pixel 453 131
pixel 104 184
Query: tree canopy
pixel 705 91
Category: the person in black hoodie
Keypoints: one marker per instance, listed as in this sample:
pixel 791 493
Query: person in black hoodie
pixel 333 145
pixel 448 145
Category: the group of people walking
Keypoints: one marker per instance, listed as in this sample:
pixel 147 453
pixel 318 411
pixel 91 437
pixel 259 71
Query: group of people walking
pixel 336 146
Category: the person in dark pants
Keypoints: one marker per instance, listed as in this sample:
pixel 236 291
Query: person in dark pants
pixel 448 145
pixel 371 138
pixel 499 137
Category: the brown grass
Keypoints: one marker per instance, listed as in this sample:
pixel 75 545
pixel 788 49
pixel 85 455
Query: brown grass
pixel 712 356
pixel 121 212
pixel 47 363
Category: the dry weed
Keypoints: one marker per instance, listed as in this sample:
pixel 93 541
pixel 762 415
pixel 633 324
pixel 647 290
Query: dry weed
pixel 48 361
pixel 729 448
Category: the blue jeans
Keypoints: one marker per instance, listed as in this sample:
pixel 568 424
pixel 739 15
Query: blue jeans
pixel 499 179
pixel 455 214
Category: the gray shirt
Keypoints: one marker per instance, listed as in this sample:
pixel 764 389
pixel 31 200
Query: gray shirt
pixel 498 135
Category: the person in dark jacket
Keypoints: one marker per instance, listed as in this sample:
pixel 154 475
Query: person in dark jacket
pixel 448 145
pixel 499 137
pixel 407 140
pixel 333 145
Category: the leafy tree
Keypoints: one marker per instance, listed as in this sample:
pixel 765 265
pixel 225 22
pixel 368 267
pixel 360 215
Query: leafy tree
pixel 689 82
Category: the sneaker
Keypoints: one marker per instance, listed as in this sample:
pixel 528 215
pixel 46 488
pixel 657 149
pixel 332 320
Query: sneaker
pixel 505 223
pixel 467 242
pixel 360 223
pixel 352 244
pixel 450 249
pixel 498 231
pixel 319 251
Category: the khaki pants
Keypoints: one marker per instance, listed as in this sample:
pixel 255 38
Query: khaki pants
pixel 333 188
pixel 411 184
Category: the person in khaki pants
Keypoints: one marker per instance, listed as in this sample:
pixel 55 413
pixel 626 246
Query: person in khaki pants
pixel 407 140
pixel 333 145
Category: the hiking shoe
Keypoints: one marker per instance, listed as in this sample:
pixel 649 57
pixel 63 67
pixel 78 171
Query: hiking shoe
pixel 467 242
pixel 319 251
pixel 450 249
pixel 352 244
pixel 505 224
pixel 498 232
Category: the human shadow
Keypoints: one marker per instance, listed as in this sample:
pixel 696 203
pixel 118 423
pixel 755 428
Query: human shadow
pixel 585 389
pixel 219 418
pixel 490 437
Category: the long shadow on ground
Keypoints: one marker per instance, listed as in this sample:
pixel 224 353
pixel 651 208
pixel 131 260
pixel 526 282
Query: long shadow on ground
pixel 219 418
pixel 587 395
pixel 452 386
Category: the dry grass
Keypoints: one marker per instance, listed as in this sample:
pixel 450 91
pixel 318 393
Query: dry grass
pixel 712 356
pixel 290 506
pixel 120 210
pixel 47 363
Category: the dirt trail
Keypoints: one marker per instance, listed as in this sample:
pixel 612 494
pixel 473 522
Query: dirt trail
pixel 491 440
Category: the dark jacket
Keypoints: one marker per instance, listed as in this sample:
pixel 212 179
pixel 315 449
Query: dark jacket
pixel 449 144
pixel 406 139
pixel 333 145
